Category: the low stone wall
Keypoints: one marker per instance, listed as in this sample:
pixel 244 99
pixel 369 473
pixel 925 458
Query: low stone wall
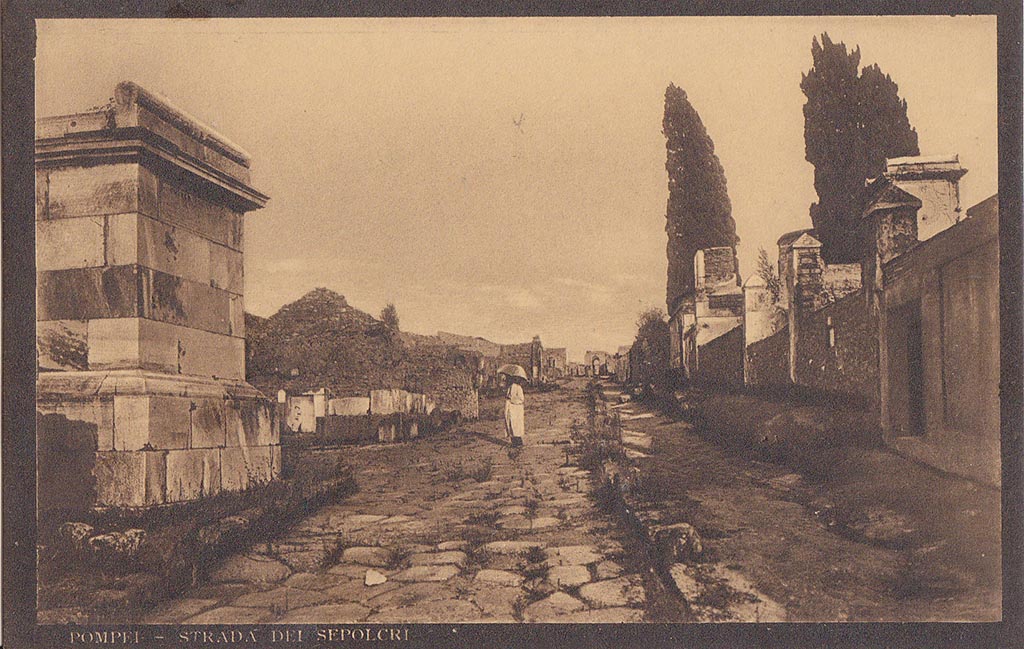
pixel 386 415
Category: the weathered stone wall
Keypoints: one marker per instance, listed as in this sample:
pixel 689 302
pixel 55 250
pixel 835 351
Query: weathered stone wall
pixel 140 315
pixel 768 360
pixel 839 280
pixel 450 377
pixel 947 291
pixel 527 355
pixel 895 233
pixel 554 360
pixel 838 350
pixel 721 360
pixel 713 267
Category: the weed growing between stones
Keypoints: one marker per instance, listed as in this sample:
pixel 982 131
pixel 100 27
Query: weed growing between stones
pixel 597 441
pixel 535 556
pixel 483 470
pixel 399 556
pixel 332 553
pixel 480 470
pixel 532 505
pixel 518 607
pixel 487 518
pixel 717 595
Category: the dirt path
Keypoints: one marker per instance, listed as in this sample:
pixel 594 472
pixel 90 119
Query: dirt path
pixel 925 545
pixel 457 528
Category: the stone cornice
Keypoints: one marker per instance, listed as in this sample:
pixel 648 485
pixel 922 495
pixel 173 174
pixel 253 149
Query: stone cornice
pixel 136 144
pixel 129 94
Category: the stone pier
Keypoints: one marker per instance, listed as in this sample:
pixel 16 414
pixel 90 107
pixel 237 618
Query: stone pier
pixel 141 391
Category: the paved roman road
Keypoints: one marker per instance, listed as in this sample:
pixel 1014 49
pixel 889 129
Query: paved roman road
pixel 454 528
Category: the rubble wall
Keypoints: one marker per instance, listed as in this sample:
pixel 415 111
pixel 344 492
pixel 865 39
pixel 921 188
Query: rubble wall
pixel 845 361
pixel 721 360
pixel 768 360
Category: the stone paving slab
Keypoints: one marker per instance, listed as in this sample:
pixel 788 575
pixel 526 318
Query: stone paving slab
pixel 552 607
pixel 358 591
pixel 236 614
pixel 368 556
pixel 568 576
pixel 498 577
pixel 572 555
pixel 427 573
pixel 253 568
pixel 284 598
pixel 450 557
pixel 334 613
pixel 621 591
pixel 180 610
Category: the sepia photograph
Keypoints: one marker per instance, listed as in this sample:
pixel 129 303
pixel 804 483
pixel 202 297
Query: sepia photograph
pixel 360 324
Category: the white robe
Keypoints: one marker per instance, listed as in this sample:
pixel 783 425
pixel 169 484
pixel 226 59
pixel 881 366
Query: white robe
pixel 515 424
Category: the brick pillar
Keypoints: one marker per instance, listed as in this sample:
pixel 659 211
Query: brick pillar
pixel 719 266
pixel 803 283
pixel 140 302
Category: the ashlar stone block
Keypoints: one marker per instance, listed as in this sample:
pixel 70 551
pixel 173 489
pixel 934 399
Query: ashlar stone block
pixel 174 250
pixel 114 343
pixel 70 243
pixel 161 422
pixel 208 424
pixel 226 269
pixel 183 208
pixel 130 479
pixel 192 474
pixel 90 191
pixel 248 466
pixel 249 423
pixel 349 406
pixel 122 239
pixel 98 411
pixel 207 354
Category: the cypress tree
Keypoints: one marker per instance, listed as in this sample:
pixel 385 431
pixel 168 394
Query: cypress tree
pixel 699 214
pixel 852 123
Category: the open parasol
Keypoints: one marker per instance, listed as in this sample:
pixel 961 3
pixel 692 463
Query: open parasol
pixel 512 370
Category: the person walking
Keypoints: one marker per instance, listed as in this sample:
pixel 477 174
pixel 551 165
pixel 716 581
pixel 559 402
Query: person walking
pixel 515 401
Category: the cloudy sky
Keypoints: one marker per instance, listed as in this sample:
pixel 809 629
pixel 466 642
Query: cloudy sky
pixel 505 177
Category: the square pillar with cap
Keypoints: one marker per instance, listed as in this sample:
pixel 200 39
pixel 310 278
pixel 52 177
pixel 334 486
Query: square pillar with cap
pixel 140 308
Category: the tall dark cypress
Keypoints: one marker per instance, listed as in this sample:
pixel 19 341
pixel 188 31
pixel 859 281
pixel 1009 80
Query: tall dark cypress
pixel 852 123
pixel 699 214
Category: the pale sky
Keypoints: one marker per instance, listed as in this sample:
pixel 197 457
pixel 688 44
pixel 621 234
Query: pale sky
pixel 396 171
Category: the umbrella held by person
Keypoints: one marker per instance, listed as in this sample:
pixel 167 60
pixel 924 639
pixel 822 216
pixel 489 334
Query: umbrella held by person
pixel 515 401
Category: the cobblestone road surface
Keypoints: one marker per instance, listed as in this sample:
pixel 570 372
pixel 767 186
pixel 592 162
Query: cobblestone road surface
pixel 456 528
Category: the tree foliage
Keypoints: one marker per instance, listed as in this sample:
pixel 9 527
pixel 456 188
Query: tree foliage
pixel 648 318
pixel 769 273
pixel 699 213
pixel 853 120
pixel 652 348
pixel 389 316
